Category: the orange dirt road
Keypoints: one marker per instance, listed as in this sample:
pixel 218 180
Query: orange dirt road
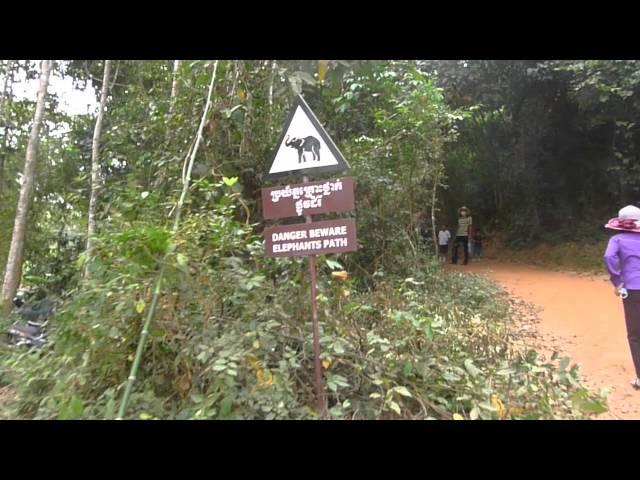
pixel 584 319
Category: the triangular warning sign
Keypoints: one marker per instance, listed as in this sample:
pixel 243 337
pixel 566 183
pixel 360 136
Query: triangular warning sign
pixel 305 148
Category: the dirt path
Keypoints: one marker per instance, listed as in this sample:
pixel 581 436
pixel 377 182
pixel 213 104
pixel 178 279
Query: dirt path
pixel 582 317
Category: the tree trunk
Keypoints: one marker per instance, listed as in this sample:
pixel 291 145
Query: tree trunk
pixel 13 271
pixel 172 100
pixel 95 163
pixel 174 86
pixel 246 123
pixel 236 74
pixel 436 181
pixel 271 82
pixel 622 187
pixel 8 78
pixel 5 84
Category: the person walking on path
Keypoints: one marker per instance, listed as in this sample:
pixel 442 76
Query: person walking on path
pixel 622 259
pixel 462 234
pixel 443 241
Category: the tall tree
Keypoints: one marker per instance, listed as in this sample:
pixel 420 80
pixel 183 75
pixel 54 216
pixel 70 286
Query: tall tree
pixel 5 84
pixel 8 78
pixel 173 97
pixel 13 271
pixel 95 161
pixel 174 85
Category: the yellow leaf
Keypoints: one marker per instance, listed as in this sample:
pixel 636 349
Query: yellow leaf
pixel 402 391
pixel 341 275
pixel 140 306
pixel 264 377
pixel 457 416
pixel 242 94
pixel 322 69
pixel 326 363
pixel 252 360
pixel 256 344
pixel 499 406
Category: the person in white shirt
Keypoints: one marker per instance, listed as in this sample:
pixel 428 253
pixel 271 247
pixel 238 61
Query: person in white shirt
pixel 443 241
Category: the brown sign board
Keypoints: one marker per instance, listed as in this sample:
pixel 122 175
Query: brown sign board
pixel 310 198
pixel 315 238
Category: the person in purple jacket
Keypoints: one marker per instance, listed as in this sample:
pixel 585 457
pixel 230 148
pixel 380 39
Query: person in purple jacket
pixel 623 262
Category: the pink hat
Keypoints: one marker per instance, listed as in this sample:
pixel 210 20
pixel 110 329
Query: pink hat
pixel 628 219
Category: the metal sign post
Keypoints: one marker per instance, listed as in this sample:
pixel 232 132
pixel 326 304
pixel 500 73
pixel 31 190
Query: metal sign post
pixel 322 406
pixel 305 148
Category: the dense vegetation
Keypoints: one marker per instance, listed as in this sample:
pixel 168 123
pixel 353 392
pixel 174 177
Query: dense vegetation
pixel 549 151
pixel 231 336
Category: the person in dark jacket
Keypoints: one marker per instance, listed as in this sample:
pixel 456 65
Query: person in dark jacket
pixel 477 243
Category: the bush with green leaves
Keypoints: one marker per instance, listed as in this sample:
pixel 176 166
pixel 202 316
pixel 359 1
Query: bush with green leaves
pixel 232 340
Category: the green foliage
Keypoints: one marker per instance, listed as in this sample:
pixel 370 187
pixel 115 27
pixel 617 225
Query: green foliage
pixel 427 347
pixel 398 124
pixel 547 145
pixel 582 256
